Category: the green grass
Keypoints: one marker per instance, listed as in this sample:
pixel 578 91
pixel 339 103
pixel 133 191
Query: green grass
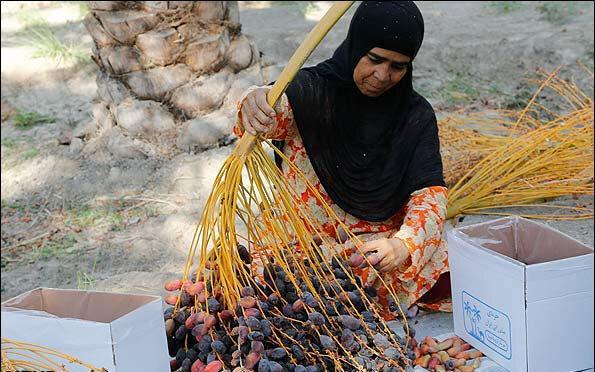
pixel 84 281
pixel 56 248
pixel 30 154
pixel 459 89
pixel 106 215
pixel 557 12
pixel 94 216
pixel 307 7
pixel 38 34
pixel 19 206
pixel 521 97
pixel 17 149
pixel 505 7
pixel 28 119
pixel 145 212
pixel 30 21
pixel 9 144
pixel 83 8
pixel 46 44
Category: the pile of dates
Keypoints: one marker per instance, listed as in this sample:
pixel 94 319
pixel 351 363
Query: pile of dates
pixel 275 329
pixel 452 354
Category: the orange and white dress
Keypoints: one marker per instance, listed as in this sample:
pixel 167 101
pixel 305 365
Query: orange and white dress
pixel 419 223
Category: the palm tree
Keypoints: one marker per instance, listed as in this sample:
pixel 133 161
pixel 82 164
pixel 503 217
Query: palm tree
pixel 473 314
pixel 166 68
pixel 475 319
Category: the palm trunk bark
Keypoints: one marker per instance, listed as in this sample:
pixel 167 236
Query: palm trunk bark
pixel 168 71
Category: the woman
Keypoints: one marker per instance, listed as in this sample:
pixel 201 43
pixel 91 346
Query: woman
pixel 369 143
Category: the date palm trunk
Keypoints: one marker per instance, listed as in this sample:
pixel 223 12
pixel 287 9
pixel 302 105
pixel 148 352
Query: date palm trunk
pixel 169 74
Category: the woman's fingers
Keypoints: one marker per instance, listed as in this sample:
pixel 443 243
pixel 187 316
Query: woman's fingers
pixel 257 113
pixel 371 251
pixel 384 254
pixel 369 246
pixel 377 254
pixel 249 118
pixel 246 121
pixel 386 264
pixel 262 103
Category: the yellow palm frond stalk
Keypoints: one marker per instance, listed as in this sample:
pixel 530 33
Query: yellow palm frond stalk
pixel 552 156
pixel 23 356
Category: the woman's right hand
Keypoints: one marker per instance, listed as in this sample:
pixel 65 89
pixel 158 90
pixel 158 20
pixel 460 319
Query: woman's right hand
pixel 257 115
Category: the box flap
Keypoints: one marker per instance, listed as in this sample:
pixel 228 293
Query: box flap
pixel 493 249
pixel 525 241
pixel 538 243
pixel 86 305
pixel 141 332
pixel 30 300
pixel 496 236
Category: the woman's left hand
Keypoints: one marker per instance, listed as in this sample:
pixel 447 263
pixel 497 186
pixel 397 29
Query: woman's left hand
pixel 390 253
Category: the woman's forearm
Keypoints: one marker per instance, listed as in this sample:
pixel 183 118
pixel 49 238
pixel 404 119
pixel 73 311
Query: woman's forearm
pixel 422 227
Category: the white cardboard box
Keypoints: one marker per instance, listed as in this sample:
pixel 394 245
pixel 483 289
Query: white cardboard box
pixel 523 294
pixel 118 332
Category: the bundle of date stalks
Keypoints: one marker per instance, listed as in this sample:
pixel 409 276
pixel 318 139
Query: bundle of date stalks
pixel 287 319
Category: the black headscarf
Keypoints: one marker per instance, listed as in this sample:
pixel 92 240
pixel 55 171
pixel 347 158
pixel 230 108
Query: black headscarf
pixel 370 153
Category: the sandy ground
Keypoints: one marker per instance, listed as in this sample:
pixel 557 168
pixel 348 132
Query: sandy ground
pixel 69 221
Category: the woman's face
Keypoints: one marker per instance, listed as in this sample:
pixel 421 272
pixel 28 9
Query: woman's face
pixel 379 70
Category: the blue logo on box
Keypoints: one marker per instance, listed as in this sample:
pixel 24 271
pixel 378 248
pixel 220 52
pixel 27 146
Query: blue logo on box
pixel 487 324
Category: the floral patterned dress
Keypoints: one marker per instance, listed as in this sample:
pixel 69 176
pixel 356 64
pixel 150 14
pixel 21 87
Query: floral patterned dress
pixel 419 223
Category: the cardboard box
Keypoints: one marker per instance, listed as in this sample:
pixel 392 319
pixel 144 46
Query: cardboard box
pixel 523 294
pixel 118 332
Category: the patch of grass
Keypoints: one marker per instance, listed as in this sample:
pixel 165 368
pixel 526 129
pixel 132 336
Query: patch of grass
pixel 557 12
pixel 30 20
pixel 462 89
pixel 505 7
pixel 84 281
pixel 459 89
pixel 30 154
pixel 27 119
pixel 307 7
pixel 9 143
pixel 83 8
pixel 17 149
pixel 521 97
pixel 46 44
pixel 86 217
pixel 310 9
pixel 90 216
pixel 56 248
pixel 147 211
pixel 17 205
pixel 39 35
